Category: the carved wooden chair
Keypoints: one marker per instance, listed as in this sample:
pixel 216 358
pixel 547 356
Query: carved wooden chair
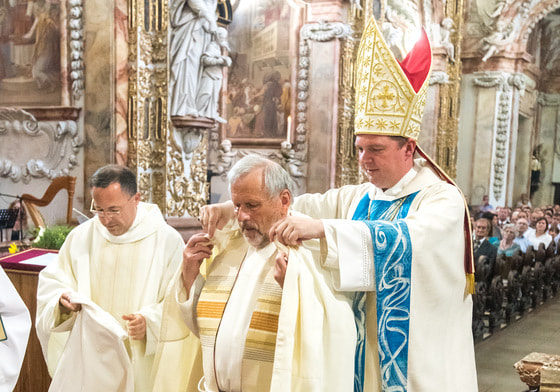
pixel 31 202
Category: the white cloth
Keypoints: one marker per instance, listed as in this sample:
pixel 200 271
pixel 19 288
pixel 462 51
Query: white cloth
pixel 440 345
pixel 95 345
pixel 17 324
pixel 545 239
pixel 522 242
pixel 316 335
pixel 316 338
pixel 122 274
pixel 227 360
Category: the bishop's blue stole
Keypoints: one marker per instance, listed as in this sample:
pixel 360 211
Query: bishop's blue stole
pixel 392 253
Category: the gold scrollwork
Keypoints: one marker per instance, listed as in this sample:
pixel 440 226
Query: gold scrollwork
pixel 144 185
pixel 448 113
pixel 147 89
pixel 346 163
pixel 176 181
pixel 187 195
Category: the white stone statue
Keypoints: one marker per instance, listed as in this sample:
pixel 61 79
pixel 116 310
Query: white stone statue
pixel 226 157
pixel 494 43
pixel 446 29
pixel 500 5
pixel 290 162
pixel 212 62
pixel 393 35
pixel 192 24
pixel 490 10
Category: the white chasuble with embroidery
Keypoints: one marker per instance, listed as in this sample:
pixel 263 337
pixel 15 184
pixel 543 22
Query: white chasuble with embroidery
pixel 404 247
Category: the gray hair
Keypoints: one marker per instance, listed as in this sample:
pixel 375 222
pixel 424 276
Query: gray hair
pixel 508 226
pixel 276 179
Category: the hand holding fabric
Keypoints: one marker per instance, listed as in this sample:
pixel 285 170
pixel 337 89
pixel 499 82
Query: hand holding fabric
pixel 281 267
pixel 136 326
pixel 292 230
pixel 215 216
pixel 66 305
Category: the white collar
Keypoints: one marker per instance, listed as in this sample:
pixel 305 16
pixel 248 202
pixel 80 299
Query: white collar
pixel 391 193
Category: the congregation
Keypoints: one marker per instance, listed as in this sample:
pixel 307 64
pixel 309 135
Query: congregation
pixel 516 262
pixel 506 229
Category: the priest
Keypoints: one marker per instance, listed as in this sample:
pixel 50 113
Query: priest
pixel 260 332
pixel 119 264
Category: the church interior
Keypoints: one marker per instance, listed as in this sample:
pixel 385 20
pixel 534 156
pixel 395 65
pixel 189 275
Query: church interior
pixel 129 82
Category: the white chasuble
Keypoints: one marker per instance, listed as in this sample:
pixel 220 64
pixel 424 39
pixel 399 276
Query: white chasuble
pixel 305 345
pixel 96 343
pixel 437 346
pixel 121 274
pixel 237 308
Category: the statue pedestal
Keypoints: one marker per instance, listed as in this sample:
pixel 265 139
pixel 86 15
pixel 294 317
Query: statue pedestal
pixel 188 133
pixel 188 188
pixel 192 122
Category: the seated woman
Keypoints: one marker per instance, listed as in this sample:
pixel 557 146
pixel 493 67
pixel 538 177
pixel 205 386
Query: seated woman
pixel 507 246
pixel 540 235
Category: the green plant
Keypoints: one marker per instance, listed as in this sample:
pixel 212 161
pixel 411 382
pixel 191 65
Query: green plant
pixel 51 237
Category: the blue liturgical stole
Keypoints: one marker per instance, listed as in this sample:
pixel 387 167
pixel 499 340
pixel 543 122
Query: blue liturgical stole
pixel 392 252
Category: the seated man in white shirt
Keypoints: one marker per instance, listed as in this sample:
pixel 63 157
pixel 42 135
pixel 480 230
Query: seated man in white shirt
pixel 522 228
pixel 249 342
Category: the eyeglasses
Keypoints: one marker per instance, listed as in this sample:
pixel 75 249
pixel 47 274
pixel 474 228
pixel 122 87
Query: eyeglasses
pixel 107 214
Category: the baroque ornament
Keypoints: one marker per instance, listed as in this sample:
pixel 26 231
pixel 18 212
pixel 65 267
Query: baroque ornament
pixel 64 144
pixel 147 90
pixel 76 27
pixel 187 195
pixel 548 99
pixel 504 102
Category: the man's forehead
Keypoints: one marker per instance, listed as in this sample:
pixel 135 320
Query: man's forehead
pixel 367 140
pixel 112 194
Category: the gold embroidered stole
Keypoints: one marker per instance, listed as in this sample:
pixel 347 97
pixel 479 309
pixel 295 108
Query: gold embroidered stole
pixel 261 336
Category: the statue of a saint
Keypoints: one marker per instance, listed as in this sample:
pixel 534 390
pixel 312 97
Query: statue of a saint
pixel 211 80
pixel 192 22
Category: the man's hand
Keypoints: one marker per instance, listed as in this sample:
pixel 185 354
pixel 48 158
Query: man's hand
pixel 292 230
pixel 136 325
pixel 197 249
pixel 281 267
pixel 215 216
pixel 66 306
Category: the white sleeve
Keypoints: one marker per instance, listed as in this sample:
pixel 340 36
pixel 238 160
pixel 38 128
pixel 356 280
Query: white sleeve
pixel 188 305
pixel 16 324
pixel 347 251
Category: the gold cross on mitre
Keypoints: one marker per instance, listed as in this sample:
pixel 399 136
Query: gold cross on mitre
pixel 390 96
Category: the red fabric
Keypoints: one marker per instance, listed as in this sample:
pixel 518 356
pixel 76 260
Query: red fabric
pixel 416 65
pixel 469 262
pixel 16 261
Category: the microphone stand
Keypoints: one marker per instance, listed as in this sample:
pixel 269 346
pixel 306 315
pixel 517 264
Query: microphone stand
pixel 20 213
